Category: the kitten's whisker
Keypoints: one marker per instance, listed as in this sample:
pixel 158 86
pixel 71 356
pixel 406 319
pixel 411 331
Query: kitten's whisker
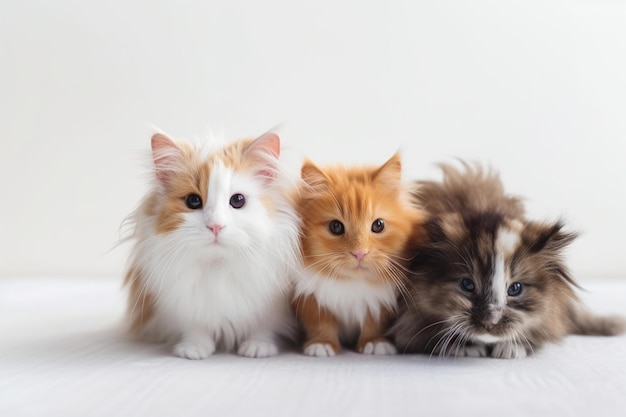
pixel 423 328
pixel 449 335
pixel 447 332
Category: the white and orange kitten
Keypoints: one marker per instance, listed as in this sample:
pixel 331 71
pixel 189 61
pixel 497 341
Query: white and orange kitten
pixel 355 222
pixel 216 240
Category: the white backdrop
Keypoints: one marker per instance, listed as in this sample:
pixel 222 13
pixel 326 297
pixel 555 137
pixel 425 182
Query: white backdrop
pixel 535 88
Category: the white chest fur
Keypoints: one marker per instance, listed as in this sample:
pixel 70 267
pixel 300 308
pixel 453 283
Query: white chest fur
pixel 350 301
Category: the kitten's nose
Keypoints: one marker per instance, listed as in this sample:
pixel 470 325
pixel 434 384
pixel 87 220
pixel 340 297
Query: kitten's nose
pixel 359 255
pixel 493 317
pixel 215 228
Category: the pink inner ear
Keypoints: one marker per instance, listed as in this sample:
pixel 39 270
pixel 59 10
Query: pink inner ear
pixel 164 151
pixel 268 143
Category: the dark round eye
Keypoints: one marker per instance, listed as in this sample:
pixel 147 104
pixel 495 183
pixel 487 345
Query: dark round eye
pixel 515 289
pixel 193 201
pixel 237 201
pixel 378 225
pixel 336 227
pixel 468 285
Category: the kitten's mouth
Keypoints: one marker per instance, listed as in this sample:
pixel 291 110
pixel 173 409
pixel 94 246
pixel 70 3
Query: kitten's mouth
pixel 216 243
pixel 360 267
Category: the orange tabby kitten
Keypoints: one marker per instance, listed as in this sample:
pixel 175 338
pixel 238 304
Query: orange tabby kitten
pixel 355 222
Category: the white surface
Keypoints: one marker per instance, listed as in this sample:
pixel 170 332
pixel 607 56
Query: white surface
pixel 61 355
pixel 535 87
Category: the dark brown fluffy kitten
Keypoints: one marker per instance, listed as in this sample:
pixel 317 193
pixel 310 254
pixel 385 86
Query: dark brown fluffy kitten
pixel 485 281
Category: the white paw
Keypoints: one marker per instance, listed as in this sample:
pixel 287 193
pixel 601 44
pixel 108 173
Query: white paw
pixel 194 349
pixel 319 350
pixel 508 350
pixel 257 349
pixel 379 348
pixel 472 351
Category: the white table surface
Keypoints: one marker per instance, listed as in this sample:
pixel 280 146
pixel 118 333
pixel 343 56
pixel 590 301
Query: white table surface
pixel 62 354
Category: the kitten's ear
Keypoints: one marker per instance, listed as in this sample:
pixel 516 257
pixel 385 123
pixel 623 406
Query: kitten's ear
pixel 166 155
pixel 265 151
pixel 391 171
pixel 311 174
pixel 550 237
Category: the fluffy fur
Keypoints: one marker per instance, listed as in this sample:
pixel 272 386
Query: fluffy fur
pixel 213 275
pixel 353 233
pixel 485 281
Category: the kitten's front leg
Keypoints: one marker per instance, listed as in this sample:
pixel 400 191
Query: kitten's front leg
pixel 371 341
pixel 260 344
pixel 508 350
pixel 195 344
pixel 320 326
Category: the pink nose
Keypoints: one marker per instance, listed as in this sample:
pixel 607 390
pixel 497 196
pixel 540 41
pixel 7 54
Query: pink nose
pixel 215 228
pixel 359 255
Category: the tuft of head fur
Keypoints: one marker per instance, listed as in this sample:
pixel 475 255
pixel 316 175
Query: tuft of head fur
pixel 214 267
pixel 486 280
pixel 473 188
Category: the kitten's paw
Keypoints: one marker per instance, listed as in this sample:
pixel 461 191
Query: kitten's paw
pixel 257 349
pixel 194 349
pixel 473 351
pixel 507 350
pixel 380 347
pixel 320 350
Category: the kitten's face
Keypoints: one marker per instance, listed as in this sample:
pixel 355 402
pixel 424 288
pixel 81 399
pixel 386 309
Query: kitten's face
pixel 491 280
pixel 216 202
pixel 355 220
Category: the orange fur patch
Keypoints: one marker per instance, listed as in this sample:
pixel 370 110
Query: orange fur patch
pixel 141 303
pixel 319 324
pixel 374 328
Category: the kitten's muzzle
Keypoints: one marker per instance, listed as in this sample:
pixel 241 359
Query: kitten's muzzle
pixel 359 255
pixel 492 317
pixel 215 228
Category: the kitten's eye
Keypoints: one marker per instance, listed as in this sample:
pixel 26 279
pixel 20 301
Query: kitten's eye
pixel 515 289
pixel 193 201
pixel 237 201
pixel 468 285
pixel 378 225
pixel 336 227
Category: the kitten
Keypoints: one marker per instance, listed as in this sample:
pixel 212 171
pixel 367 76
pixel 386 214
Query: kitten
pixel 484 280
pixel 216 241
pixel 353 232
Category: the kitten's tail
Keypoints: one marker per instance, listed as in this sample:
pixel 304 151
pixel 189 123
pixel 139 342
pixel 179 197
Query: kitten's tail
pixel 587 323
